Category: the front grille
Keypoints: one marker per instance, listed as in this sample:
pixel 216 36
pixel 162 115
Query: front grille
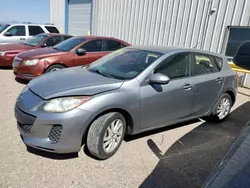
pixel 55 133
pixel 25 127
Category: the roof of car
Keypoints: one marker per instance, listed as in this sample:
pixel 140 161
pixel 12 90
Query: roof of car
pixel 54 34
pixel 96 37
pixel 166 49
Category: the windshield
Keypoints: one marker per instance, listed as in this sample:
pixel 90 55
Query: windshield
pixel 68 44
pixel 33 41
pixel 2 28
pixel 124 63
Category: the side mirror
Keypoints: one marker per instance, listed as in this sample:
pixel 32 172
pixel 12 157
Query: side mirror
pixel 159 78
pixel 242 57
pixel 80 51
pixel 8 34
pixel 43 45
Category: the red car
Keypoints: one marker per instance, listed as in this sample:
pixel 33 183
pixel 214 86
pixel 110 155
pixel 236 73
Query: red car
pixel 9 51
pixel 75 51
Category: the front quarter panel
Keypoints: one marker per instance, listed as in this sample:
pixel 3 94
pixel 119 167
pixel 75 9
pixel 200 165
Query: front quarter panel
pixel 124 98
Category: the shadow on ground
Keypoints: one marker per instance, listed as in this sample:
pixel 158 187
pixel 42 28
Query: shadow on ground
pixel 51 155
pixel 190 160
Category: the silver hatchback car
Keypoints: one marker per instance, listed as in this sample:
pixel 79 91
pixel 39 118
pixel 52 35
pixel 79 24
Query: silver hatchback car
pixel 132 90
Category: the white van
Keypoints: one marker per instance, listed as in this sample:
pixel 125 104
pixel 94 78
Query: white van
pixel 16 33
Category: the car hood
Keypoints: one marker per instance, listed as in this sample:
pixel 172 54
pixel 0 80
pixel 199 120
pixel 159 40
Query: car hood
pixel 72 82
pixel 39 53
pixel 8 47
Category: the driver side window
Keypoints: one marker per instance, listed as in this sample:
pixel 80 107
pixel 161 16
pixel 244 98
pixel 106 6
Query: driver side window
pixel 17 31
pixel 93 46
pixel 176 66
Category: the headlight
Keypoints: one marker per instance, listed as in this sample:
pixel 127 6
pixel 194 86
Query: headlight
pixel 31 62
pixel 2 53
pixel 64 104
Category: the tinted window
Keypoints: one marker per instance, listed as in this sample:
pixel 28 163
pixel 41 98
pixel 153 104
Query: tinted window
pixel 236 37
pixel 177 66
pixel 124 63
pixel 52 41
pixel 3 27
pixel 52 29
pixel 34 30
pixel 204 65
pixel 112 45
pixel 69 44
pixel 33 41
pixel 17 30
pixel 66 37
pixel 93 46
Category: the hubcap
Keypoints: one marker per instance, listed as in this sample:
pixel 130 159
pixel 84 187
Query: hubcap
pixel 223 108
pixel 113 135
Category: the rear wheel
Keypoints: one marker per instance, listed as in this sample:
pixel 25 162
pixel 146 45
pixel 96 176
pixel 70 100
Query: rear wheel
pixel 222 108
pixel 53 68
pixel 106 134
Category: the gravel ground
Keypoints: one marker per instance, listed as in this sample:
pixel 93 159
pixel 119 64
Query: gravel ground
pixel 130 167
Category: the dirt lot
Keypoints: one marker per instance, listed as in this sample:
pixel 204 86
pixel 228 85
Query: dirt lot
pixel 171 157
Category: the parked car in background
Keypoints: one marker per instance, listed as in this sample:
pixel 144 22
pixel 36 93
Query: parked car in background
pixel 73 52
pixel 129 91
pixel 9 51
pixel 16 33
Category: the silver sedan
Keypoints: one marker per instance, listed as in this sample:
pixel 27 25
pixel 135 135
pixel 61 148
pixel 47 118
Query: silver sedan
pixel 132 90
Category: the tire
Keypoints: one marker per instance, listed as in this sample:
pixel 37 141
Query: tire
pixel 98 132
pixel 215 116
pixel 53 68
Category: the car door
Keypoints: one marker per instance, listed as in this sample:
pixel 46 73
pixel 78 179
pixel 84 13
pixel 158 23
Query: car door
pixel 172 102
pixel 94 51
pixel 14 34
pixel 207 81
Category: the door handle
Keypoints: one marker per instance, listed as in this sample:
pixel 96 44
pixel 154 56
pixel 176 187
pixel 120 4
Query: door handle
pixel 22 39
pixel 187 86
pixel 219 80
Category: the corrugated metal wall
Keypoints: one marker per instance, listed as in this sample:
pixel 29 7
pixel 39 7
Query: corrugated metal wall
pixel 186 23
pixel 57 14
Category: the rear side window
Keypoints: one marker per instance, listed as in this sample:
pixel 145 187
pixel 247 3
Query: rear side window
pixel 34 30
pixel 112 45
pixel 218 62
pixel 17 31
pixel 204 65
pixel 66 37
pixel 52 41
pixel 177 66
pixel 52 29
pixel 93 46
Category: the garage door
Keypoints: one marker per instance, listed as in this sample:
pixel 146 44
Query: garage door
pixel 79 17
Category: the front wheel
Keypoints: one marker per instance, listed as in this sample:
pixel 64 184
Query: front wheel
pixel 53 68
pixel 222 108
pixel 106 134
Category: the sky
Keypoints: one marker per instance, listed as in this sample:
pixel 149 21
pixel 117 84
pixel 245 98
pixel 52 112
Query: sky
pixel 36 11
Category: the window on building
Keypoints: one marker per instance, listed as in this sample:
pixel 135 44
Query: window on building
pixel 52 29
pixel 177 66
pixel 93 46
pixel 204 65
pixel 237 36
pixel 34 30
pixel 17 31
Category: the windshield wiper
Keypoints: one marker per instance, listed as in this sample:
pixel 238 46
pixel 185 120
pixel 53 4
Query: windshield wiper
pixel 57 49
pixel 101 73
pixel 27 44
